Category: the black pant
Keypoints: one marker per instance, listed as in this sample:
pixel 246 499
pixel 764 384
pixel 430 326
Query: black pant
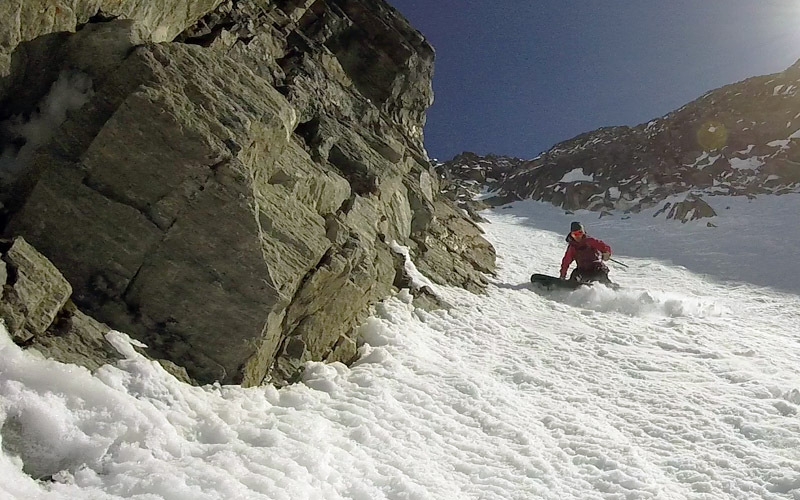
pixel 585 275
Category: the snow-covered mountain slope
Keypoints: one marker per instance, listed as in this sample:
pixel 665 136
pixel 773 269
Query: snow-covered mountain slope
pixel 682 385
pixel 742 139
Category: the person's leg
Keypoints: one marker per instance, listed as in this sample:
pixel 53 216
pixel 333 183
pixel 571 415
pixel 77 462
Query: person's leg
pixel 600 275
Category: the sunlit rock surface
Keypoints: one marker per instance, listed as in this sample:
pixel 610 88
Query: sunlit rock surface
pixel 232 198
pixel 24 20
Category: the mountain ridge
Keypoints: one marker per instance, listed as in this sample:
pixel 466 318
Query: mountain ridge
pixel 741 139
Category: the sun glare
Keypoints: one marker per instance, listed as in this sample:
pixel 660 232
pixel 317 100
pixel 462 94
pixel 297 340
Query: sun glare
pixel 787 22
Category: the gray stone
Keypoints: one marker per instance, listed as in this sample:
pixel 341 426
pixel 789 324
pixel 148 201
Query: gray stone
pixel 692 208
pixel 34 291
pixel 76 338
pixel 232 201
pixel 38 313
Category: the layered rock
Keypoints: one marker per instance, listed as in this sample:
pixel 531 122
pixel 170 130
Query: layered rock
pixel 740 140
pixel 24 20
pixel 34 292
pixel 37 309
pixel 232 200
pixel 469 179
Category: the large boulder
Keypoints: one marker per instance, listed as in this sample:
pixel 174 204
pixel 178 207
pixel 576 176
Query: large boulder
pixel 233 201
pixel 693 207
pixel 24 20
pixel 33 291
pixel 38 312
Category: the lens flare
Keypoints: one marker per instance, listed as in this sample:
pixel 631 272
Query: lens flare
pixel 712 135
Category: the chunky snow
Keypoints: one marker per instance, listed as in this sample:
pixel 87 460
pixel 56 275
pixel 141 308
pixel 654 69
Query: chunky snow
pixel 577 175
pixel 751 163
pixel 682 385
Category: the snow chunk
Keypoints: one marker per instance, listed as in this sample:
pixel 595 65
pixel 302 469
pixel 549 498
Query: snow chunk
pixel 753 163
pixel 418 280
pixel 704 160
pixel 577 175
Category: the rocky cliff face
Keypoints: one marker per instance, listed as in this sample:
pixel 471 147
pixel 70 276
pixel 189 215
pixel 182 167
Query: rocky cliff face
pixel 231 198
pixel 742 139
pixel 24 20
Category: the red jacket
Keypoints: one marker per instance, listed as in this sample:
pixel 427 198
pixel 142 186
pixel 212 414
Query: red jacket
pixel 587 253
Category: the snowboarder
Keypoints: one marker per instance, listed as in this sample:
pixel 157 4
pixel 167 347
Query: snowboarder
pixel 589 255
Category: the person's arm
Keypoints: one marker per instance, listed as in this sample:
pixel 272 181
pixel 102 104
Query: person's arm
pixel 569 256
pixel 601 247
pixel 598 245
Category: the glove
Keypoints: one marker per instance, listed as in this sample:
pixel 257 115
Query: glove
pixel 606 255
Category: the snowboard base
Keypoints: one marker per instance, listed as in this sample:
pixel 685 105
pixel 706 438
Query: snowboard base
pixel 551 282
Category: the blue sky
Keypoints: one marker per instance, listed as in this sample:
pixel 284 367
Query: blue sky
pixel 514 77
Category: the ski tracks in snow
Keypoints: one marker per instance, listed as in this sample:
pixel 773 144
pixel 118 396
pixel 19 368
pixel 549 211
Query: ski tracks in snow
pixel 673 387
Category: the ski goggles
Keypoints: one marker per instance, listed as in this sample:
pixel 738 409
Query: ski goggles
pixel 577 234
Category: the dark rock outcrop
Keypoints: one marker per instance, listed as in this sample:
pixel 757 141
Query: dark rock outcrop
pixel 232 199
pixel 467 177
pixel 37 309
pixel 741 140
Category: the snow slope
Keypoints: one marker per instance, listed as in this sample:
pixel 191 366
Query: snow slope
pixel 679 386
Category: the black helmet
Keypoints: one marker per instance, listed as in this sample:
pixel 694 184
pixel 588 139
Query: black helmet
pixel 575 226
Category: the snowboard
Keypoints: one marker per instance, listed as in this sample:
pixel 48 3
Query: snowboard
pixel 551 282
